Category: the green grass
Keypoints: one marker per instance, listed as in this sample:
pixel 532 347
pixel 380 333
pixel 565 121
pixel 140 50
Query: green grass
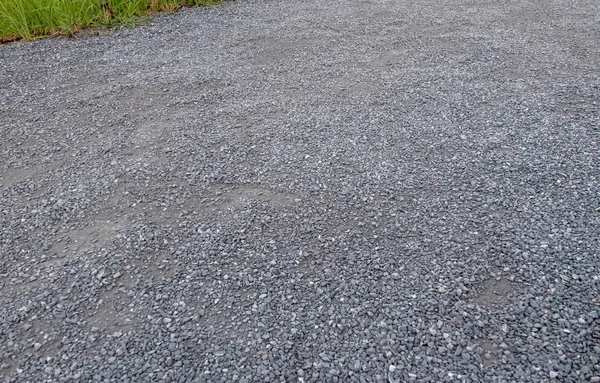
pixel 31 19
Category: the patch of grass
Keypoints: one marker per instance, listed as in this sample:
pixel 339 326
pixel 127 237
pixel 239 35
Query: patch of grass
pixel 31 19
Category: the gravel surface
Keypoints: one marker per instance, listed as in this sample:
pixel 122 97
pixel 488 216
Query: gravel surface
pixel 306 191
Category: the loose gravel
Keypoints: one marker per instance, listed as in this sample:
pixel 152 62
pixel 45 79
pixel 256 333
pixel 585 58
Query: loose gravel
pixel 306 191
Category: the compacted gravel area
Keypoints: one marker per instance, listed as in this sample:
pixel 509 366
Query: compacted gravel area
pixel 306 191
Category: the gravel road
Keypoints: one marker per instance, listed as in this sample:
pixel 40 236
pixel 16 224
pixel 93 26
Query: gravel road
pixel 306 191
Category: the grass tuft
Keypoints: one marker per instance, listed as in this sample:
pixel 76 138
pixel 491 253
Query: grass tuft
pixel 32 19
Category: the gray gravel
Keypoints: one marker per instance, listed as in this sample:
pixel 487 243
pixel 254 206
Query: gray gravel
pixel 306 191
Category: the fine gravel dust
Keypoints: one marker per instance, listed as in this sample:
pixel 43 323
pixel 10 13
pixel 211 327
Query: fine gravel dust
pixel 306 191
pixel 495 293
